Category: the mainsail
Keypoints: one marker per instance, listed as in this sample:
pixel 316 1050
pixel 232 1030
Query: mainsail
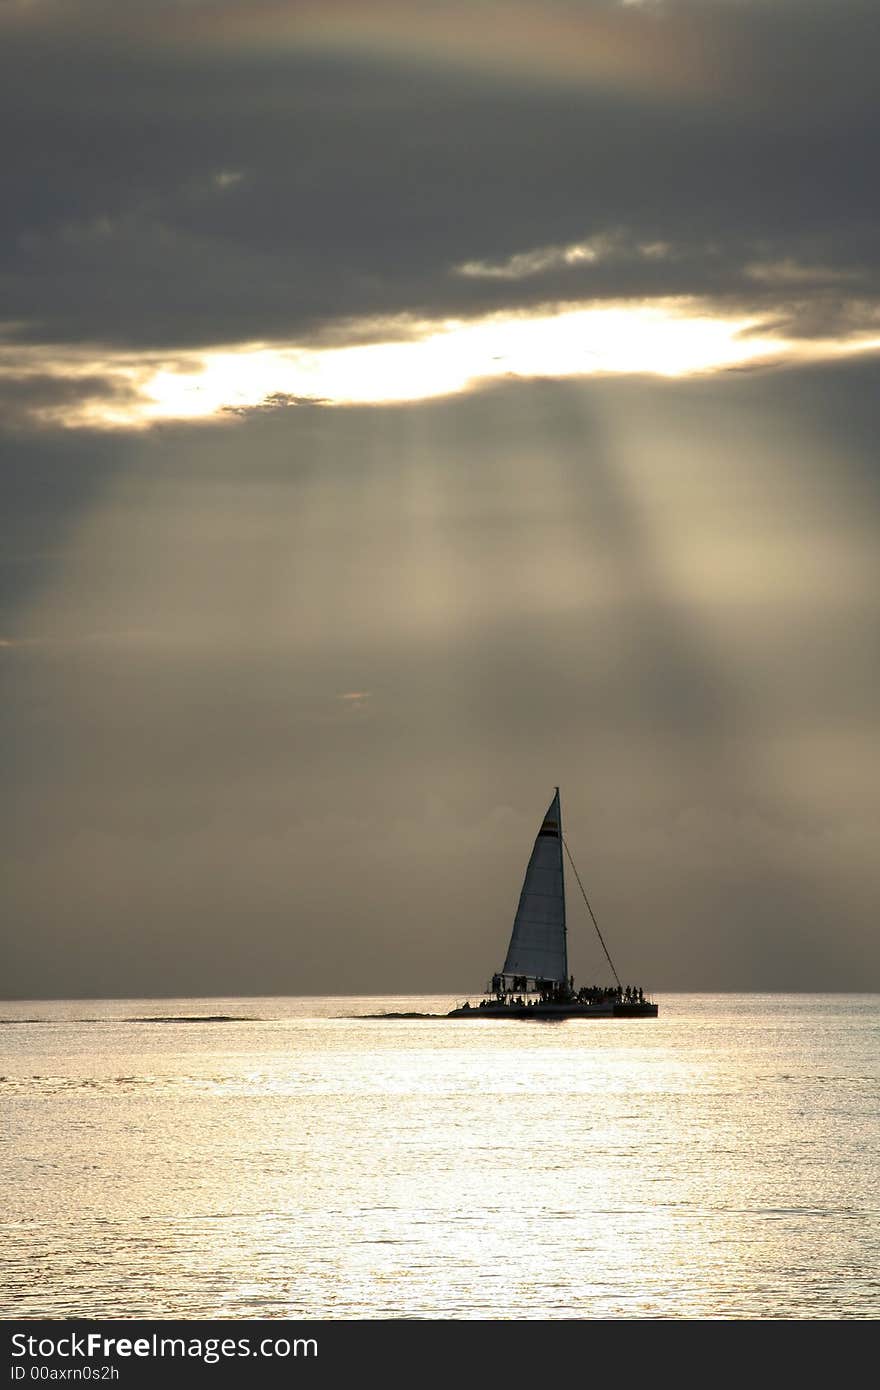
pixel 537 947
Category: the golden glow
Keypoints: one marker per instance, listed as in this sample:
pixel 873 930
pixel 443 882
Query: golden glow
pixel 536 262
pixel 617 46
pixel 666 338
pixel 555 45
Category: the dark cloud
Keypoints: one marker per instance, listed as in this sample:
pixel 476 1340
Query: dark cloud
pixel 278 400
pixel 33 399
pixel 165 187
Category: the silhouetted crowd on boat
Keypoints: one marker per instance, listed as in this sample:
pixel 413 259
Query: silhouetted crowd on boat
pixel 620 994
pixel 513 991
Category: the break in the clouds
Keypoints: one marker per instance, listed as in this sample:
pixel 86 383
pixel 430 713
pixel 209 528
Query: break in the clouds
pixel 420 361
pixel 207 177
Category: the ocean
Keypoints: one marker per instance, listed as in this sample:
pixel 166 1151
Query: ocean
pixel 274 1158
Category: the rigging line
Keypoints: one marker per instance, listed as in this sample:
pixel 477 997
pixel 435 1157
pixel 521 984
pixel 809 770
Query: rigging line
pixel 591 912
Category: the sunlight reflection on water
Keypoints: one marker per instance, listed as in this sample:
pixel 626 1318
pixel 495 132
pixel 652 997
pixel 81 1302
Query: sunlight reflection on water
pixel 718 1162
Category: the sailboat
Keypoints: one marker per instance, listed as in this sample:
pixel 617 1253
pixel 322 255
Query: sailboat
pixel 534 981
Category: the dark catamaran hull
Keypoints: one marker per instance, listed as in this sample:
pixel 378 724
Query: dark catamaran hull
pixel 543 1011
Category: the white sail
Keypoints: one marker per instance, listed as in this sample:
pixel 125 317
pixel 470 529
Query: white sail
pixel 537 944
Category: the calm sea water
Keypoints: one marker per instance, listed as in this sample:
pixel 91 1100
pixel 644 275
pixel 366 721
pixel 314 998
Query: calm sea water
pixel 718 1162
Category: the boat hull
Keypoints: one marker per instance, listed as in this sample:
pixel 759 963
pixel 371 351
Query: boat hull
pixel 609 1010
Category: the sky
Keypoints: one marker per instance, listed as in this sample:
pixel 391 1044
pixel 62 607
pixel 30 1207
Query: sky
pixel 406 408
